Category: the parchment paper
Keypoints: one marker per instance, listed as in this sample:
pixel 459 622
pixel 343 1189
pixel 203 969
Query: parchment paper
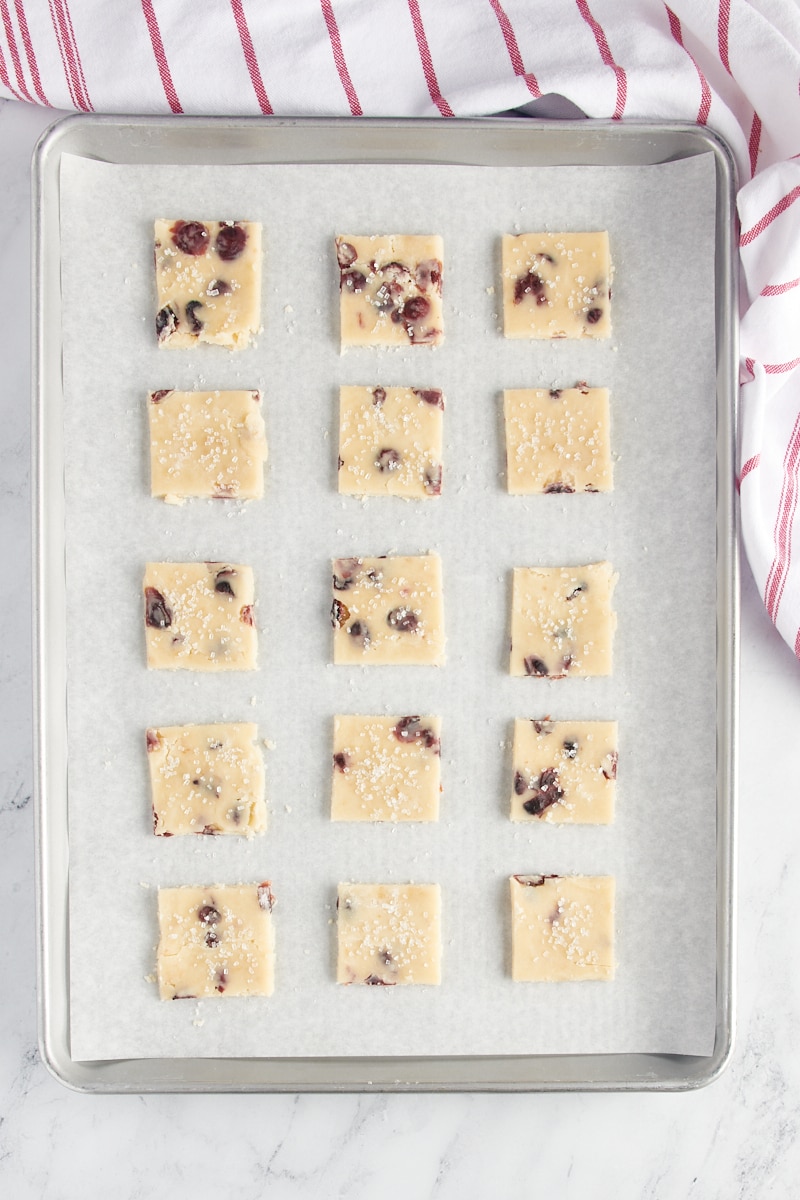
pixel 657 528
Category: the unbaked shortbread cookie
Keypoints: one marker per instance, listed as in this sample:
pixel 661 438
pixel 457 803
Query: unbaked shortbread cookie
pixel 561 620
pixel 564 771
pixel 215 941
pixel 207 444
pixel 208 280
pixel 391 290
pixel 557 440
pixel 386 768
pixel 390 441
pixel 556 285
pixel 388 610
pixel 206 779
pixel 562 927
pixel 389 933
pixel 199 616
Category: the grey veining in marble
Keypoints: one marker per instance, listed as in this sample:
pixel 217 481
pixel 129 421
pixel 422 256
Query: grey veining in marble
pixel 740 1138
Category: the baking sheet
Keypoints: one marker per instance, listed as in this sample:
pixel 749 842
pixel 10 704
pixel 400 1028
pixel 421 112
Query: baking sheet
pixel 657 528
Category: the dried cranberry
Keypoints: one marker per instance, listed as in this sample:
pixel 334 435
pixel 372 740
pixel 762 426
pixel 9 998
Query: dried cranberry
pixel 222 979
pixel 352 281
pixel 345 254
pixel 402 619
pixel 566 662
pixel 195 325
pixel 548 792
pixel 432 480
pixel 429 274
pixel 528 285
pixel 339 613
pixel 555 393
pixel 375 981
pixel 611 771
pixel 153 739
pixel 231 241
pixel 166 322
pixel 594 315
pixel 211 939
pixel 222 581
pixel 431 396
pixel 191 237
pixel 397 273
pixel 558 488
pixel 246 615
pixel 535 666
pixel 388 460
pixel 266 900
pixel 340 761
pixel 378 396
pixel 421 337
pixel 533 880
pixel 571 749
pixel 410 729
pixel 415 309
pixel 218 287
pixel 157 397
pixel 345 571
pixel 544 727
pixel 360 633
pixel 208 915
pixel 158 614
pixel 520 783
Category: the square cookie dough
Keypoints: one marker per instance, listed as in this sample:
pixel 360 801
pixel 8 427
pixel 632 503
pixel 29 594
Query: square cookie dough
pixel 207 444
pixel 215 941
pixel 199 616
pixel 558 440
pixel 386 768
pixel 391 290
pixel 208 282
pixel 388 611
pixel 206 779
pixel 556 285
pixel 562 927
pixel 564 771
pixel 389 933
pixel 561 620
pixel 390 441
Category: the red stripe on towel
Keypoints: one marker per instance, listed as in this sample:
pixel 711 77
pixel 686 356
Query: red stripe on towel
pixel 512 46
pixel 160 56
pixel 765 221
pixel 30 53
pixel 705 90
pixel 427 62
pixel 250 58
pixel 605 54
pixel 339 59
pixel 782 533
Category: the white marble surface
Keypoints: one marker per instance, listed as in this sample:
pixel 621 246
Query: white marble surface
pixel 737 1138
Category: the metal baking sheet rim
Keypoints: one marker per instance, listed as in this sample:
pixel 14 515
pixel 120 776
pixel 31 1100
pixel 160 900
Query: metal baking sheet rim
pixel 481 141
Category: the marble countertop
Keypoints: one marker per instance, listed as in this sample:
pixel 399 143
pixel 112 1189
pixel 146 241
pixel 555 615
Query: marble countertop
pixel 736 1138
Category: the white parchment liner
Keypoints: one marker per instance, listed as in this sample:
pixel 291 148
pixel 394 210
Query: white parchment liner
pixel 657 528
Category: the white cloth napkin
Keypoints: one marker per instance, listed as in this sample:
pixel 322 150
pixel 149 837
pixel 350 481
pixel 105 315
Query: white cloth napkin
pixel 731 64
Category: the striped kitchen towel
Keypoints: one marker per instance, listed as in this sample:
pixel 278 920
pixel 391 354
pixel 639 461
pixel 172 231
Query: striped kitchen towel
pixel 731 64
